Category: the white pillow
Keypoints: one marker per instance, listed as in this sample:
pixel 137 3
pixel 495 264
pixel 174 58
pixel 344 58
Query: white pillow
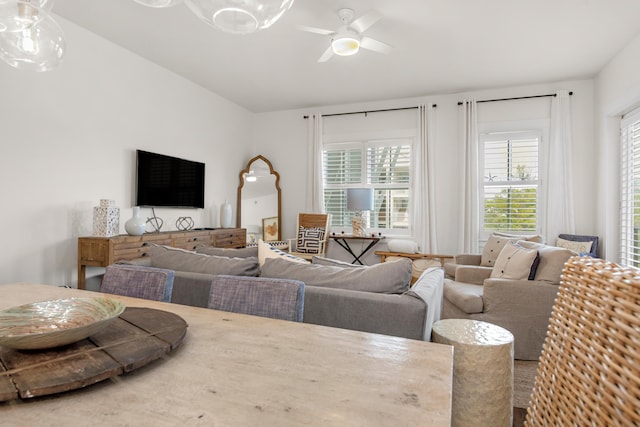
pixel 514 262
pixel 265 251
pixel 404 246
pixel 578 247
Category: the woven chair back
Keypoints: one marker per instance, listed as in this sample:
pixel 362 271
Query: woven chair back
pixel 589 370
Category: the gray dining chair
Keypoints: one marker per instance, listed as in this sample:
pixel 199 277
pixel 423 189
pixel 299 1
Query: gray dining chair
pixel 138 281
pixel 259 296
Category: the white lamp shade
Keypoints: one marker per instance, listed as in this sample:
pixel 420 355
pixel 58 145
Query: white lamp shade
pixel 360 199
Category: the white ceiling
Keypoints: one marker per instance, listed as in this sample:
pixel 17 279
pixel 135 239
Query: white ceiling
pixel 440 46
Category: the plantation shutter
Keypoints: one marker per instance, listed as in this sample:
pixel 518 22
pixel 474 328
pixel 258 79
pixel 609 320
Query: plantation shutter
pixel 630 189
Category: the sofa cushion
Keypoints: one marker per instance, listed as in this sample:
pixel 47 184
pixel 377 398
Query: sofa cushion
pixel 181 260
pixel 552 260
pixel 496 242
pixel 228 252
pixel 577 247
pixel 403 246
pixel 334 262
pixel 466 296
pixel 514 262
pixel 388 277
pixel 309 239
pixel 265 251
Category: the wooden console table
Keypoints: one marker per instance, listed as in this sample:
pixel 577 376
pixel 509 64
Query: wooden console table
pixel 104 251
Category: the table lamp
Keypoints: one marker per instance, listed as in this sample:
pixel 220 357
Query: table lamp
pixel 359 199
pixel 253 231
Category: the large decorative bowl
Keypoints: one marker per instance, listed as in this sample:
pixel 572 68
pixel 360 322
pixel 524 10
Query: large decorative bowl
pixel 55 323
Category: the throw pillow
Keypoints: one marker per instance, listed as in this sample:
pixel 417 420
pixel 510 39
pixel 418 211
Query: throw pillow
pixel 577 247
pixel 180 260
pixel 228 252
pixel 552 260
pixel 403 246
pixel 514 262
pixel 496 242
pixel 266 251
pixel 388 277
pixel 309 239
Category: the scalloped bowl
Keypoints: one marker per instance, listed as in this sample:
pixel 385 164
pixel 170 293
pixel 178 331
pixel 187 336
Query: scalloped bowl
pixel 55 323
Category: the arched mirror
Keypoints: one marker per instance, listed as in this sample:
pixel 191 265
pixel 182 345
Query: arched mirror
pixel 259 201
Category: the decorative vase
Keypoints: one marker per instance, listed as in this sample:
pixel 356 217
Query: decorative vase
pixel 136 225
pixel 106 219
pixel 225 215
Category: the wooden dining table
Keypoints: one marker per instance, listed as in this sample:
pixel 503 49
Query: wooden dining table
pixel 239 370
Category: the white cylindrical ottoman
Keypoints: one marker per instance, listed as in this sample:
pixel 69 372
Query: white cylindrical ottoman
pixel 482 371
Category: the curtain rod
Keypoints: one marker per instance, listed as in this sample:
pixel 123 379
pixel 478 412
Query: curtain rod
pixel 370 111
pixel 517 97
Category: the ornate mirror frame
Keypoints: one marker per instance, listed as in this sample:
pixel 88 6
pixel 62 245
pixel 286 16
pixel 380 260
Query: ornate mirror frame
pixel 246 171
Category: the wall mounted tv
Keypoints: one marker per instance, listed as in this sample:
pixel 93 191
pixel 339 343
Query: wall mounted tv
pixel 165 181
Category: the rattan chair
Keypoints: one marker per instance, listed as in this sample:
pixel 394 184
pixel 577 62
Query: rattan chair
pixel 138 281
pixel 258 296
pixel 589 370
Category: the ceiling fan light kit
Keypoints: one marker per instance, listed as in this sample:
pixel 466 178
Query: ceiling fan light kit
pixel 30 38
pixel 345 45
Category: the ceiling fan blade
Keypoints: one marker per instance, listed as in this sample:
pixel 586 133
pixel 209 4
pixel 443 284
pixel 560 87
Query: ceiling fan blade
pixel 315 30
pixel 365 21
pixel 326 55
pixel 375 45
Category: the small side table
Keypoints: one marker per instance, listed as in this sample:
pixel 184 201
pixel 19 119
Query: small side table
pixel 482 371
pixel 343 240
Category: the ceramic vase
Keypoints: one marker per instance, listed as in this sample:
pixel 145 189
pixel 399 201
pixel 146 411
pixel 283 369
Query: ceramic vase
pixel 225 215
pixel 136 225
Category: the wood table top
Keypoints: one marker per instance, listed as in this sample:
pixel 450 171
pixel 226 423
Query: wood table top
pixel 237 370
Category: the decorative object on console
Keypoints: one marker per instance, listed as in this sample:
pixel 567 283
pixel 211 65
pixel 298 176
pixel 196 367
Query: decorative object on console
pixel 184 223
pixel 136 225
pixel 30 38
pixel 225 214
pixel 253 232
pixel 359 199
pixel 106 219
pixel 155 221
pixel 270 229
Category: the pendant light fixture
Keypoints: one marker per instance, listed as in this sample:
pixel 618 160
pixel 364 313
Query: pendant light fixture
pixel 30 38
pixel 239 16
pixel 158 3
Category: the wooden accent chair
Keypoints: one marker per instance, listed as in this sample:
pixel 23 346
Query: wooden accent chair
pixel 259 296
pixel 312 237
pixel 139 282
pixel 589 371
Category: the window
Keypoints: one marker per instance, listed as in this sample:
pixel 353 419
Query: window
pixel 630 190
pixel 379 164
pixel 510 182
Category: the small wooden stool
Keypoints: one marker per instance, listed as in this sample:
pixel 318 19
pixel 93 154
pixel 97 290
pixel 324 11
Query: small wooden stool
pixel 482 371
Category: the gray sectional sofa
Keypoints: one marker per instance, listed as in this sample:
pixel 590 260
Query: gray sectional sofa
pixel 373 298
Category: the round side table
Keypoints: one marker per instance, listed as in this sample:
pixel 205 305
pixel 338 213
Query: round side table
pixel 482 371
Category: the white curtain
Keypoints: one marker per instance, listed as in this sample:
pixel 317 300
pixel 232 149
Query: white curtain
pixel 469 206
pixel 558 207
pixel 315 195
pixel 423 188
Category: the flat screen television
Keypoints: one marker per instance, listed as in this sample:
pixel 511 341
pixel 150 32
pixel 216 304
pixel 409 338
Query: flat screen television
pixel 165 181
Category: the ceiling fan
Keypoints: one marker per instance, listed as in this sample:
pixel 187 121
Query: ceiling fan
pixel 348 39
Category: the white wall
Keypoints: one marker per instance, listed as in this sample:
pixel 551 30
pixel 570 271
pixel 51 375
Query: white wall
pixel 69 137
pixel 617 92
pixel 285 135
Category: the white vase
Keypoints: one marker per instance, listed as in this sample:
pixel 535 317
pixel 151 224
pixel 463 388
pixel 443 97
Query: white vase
pixel 225 215
pixel 136 225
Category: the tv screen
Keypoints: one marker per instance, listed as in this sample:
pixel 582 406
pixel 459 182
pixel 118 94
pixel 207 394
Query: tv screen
pixel 165 181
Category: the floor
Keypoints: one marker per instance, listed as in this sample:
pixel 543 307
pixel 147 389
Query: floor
pixel 523 379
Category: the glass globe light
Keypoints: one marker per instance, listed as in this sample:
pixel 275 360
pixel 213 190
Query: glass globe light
pixel 158 3
pixel 39 47
pixel 16 15
pixel 239 16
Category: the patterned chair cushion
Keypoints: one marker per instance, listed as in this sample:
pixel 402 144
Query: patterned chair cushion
pixel 309 240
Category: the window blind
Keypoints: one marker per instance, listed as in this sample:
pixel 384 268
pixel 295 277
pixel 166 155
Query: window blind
pixel 630 189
